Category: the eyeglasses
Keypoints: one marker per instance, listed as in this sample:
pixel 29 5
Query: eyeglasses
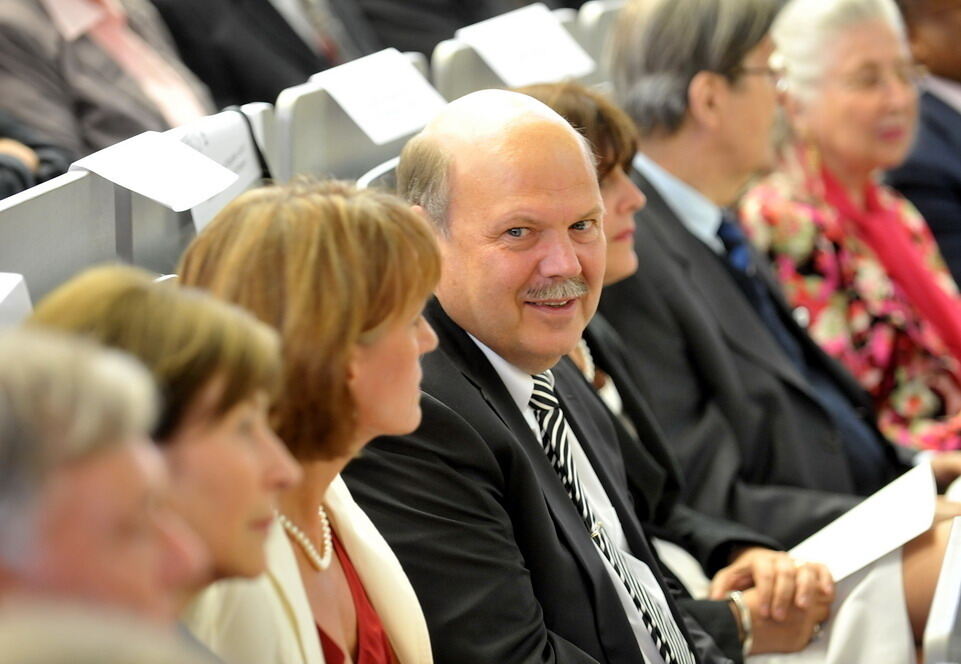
pixel 874 78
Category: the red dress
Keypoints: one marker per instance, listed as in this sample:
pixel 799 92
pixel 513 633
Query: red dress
pixel 373 646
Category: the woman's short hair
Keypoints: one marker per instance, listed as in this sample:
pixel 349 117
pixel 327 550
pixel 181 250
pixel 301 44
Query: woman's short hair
pixel 658 46
pixel 186 338
pixel 329 266
pixel 62 399
pixel 806 32
pixel 610 130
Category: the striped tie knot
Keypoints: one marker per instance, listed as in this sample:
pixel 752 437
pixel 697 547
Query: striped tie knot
pixel 543 398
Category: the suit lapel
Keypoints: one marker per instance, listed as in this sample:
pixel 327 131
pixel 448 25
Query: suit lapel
pixel 263 18
pixel 591 426
pixel 706 273
pixel 356 25
pixel 470 360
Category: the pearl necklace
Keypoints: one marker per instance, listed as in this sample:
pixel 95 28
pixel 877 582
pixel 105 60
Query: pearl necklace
pixel 319 562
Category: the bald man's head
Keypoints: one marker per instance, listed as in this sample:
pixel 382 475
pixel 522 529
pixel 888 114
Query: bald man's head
pixel 513 191
pixel 483 125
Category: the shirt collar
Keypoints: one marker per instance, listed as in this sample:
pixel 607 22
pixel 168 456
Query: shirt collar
pixel 75 18
pixel 518 382
pixel 946 90
pixel 697 214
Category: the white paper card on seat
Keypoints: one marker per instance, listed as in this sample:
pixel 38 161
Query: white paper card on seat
pixel 161 168
pixel 383 93
pixel 528 45
pixel 942 633
pixel 14 299
pixel 223 137
pixel 887 519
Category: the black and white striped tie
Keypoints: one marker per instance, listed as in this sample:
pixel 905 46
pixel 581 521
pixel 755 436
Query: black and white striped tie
pixel 555 437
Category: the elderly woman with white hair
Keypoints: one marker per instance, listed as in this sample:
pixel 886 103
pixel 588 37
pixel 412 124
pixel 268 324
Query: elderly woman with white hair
pixel 856 260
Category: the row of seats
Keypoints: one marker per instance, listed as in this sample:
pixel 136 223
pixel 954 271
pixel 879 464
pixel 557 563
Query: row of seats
pixel 54 230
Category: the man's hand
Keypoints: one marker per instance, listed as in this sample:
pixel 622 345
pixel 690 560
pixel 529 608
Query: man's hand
pixel 20 152
pixel 791 633
pixel 779 582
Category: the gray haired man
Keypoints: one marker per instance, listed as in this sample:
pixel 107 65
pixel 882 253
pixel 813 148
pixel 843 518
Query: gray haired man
pixel 82 518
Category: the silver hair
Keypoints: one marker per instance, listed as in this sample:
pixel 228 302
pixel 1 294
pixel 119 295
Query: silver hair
pixel 806 31
pixel 660 45
pixel 61 399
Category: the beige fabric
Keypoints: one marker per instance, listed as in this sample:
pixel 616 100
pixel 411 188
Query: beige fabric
pixel 72 92
pixel 269 619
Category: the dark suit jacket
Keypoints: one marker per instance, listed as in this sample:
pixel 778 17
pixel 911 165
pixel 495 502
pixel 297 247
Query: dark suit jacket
pixel 245 51
pixel 418 25
pixel 498 554
pixel 652 472
pixel 754 444
pixel 931 176
pixel 72 93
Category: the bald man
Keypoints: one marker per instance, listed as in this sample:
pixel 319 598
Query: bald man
pixel 508 507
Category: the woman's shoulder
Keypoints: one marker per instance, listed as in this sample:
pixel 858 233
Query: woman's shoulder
pixel 247 621
pixel 781 217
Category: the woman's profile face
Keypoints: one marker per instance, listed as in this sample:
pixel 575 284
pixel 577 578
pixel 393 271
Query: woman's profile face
pixel 621 199
pixel 227 471
pixel 863 112
pixel 384 377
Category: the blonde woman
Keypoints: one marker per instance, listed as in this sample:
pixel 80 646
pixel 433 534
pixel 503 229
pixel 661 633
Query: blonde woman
pixel 217 369
pixel 342 275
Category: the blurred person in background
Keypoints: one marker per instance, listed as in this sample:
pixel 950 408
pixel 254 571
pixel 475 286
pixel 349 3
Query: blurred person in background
pixel 343 276
pixel 856 260
pixel 88 73
pixel 217 369
pixel 931 175
pixel 84 514
pixel 250 50
pixel 419 25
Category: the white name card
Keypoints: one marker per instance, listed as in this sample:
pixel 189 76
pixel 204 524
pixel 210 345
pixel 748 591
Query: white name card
pixel 161 168
pixel 528 45
pixel 225 139
pixel 384 94
pixel 14 299
pixel 885 520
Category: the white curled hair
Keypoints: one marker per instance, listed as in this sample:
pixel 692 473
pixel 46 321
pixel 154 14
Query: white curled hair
pixel 806 32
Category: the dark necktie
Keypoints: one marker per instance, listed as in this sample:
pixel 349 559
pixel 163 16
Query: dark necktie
pixel 555 437
pixel 867 462
pixel 740 260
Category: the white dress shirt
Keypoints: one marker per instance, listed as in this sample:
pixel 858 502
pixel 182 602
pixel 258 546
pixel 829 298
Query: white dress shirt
pixel 699 215
pixel 520 385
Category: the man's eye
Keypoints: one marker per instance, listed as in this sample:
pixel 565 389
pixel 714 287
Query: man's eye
pixel 583 225
pixel 517 232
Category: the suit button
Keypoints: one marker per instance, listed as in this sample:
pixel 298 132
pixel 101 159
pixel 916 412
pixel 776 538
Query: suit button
pixel 801 316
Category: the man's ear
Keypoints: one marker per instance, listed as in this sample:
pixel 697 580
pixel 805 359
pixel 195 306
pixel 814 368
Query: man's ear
pixel 421 211
pixel 705 96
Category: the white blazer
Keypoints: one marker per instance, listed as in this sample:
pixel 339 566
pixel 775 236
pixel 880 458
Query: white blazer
pixel 268 620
